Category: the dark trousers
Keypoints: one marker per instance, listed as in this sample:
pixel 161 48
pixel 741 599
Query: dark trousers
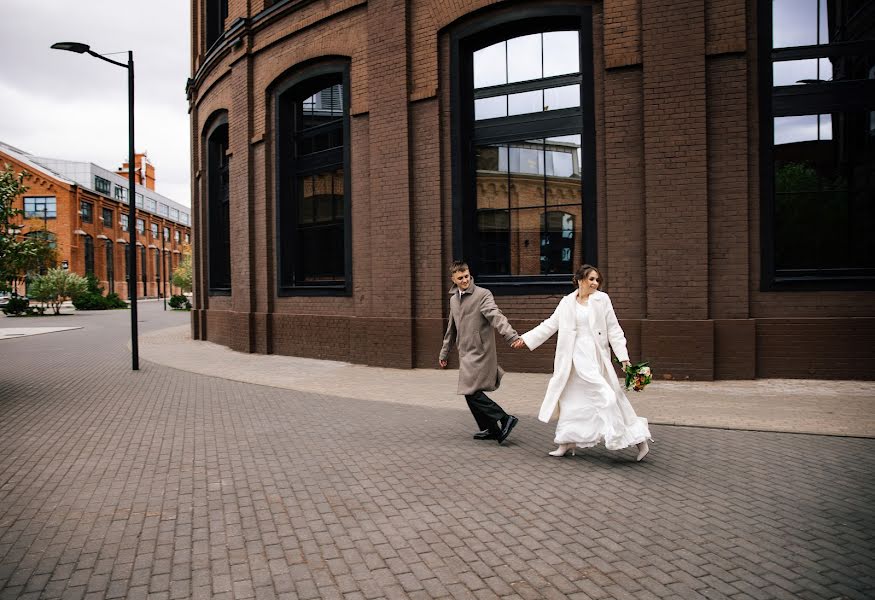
pixel 486 412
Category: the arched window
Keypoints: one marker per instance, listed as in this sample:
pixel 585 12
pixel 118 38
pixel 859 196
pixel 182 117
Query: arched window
pixel 218 208
pixel 314 200
pixel 817 144
pixel 215 14
pixel 143 268
pixel 524 168
pixel 110 266
pixel 89 254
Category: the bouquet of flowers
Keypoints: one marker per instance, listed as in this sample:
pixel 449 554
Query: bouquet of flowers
pixel 638 376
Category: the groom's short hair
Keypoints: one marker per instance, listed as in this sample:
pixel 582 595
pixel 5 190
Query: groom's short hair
pixel 457 266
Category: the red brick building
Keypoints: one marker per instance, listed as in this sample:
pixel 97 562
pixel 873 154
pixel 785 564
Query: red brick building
pixel 83 210
pixel 715 158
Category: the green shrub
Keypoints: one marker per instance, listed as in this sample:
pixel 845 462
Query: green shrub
pixel 179 302
pixel 93 301
pixel 56 286
pixel 16 306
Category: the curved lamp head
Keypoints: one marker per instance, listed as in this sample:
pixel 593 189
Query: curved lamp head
pixel 72 47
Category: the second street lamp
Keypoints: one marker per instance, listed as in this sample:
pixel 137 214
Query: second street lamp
pixel 80 48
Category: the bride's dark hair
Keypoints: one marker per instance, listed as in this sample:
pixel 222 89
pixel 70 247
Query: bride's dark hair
pixel 583 272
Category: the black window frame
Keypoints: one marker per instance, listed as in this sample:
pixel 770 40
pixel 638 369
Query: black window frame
pixel 44 201
pixel 107 222
pixel 88 253
pixel 302 84
pixel 102 185
pixel 482 32
pixel 109 254
pixel 809 98
pixel 215 15
pixel 218 209
pixel 86 211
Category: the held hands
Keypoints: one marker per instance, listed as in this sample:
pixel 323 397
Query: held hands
pixel 625 364
pixel 518 344
pixel 443 364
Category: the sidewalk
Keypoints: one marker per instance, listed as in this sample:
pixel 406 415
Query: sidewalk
pixel 842 408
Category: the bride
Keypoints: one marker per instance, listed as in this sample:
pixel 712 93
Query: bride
pixel 584 388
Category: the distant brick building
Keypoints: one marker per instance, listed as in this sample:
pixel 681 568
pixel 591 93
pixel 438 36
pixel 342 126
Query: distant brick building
pixel 83 210
pixel 715 159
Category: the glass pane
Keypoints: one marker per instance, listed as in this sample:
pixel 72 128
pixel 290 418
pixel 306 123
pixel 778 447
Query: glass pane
pixel 524 58
pixel 793 72
pixel 491 176
pixel 560 234
pixel 567 96
pixel 561 53
pixel 526 173
pixel 825 195
pixel 525 242
pixel 562 162
pixel 823 23
pixel 527 157
pixel 525 102
pixel 490 108
pixel 324 106
pixel 789 130
pixel 493 235
pixel 490 65
pixel 794 23
pixel 320 236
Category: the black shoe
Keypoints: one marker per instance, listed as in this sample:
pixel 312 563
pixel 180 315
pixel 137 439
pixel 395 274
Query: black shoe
pixel 484 435
pixel 506 427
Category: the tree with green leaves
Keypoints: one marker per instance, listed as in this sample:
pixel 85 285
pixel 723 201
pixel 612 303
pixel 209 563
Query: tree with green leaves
pixel 56 286
pixel 182 274
pixel 19 254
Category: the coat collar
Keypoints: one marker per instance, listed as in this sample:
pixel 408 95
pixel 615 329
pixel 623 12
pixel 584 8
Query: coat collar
pixel 571 298
pixel 454 289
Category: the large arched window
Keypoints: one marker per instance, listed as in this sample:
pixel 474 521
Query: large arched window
pixel 817 144
pixel 313 213
pixel 216 11
pixel 524 159
pixel 218 207
pixel 143 268
pixel 110 266
pixel 88 243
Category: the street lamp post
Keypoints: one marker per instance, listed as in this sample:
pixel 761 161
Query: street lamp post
pixel 132 207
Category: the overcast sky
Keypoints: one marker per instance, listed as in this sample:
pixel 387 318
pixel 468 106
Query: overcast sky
pixel 74 106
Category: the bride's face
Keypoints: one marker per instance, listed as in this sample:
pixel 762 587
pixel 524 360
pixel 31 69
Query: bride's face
pixel 589 283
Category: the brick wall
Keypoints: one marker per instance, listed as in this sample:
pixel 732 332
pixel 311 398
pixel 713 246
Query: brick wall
pixel 677 191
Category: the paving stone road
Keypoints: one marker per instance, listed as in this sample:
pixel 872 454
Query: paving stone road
pixel 168 484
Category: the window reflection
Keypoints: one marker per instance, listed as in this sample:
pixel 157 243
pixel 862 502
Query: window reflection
pixel 321 226
pixel 794 72
pixel 524 59
pixel 824 181
pixel 529 209
pixel 527 58
pixel 802 129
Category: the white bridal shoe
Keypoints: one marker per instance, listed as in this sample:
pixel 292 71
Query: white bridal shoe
pixel 563 449
pixel 643 449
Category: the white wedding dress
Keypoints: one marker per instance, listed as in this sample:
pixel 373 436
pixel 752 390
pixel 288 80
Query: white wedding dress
pixel 590 411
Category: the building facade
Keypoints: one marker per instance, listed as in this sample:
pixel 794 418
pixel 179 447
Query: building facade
pixel 716 159
pixel 82 209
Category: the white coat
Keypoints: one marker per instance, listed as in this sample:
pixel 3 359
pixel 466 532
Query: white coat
pixel 605 329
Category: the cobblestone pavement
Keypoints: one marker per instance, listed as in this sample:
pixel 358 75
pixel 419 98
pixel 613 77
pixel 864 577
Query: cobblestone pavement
pixel 168 484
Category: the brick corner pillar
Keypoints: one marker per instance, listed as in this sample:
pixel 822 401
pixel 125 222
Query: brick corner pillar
pixel 389 328
pixel 243 284
pixel 676 185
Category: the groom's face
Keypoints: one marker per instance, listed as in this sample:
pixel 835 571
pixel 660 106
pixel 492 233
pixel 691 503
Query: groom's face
pixel 462 279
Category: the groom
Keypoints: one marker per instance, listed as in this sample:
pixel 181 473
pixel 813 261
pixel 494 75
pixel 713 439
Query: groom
pixel 473 314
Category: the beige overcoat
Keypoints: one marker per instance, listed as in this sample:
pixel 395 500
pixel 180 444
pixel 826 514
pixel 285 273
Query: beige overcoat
pixel 473 315
pixel 605 329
